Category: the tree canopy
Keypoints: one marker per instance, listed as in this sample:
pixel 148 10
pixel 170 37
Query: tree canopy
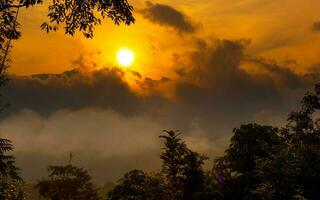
pixel 181 177
pixel 138 185
pixel 72 15
pixel 263 162
pixel 67 183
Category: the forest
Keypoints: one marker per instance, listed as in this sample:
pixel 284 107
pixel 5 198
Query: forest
pixel 261 162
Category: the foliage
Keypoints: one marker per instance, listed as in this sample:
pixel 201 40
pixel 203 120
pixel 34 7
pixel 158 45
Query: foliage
pixel 302 128
pixel 302 135
pixel 238 171
pixel 263 162
pixel 8 31
pixel 138 185
pixel 73 15
pixel 278 177
pixel 181 167
pixel 67 183
pixel 181 176
pixel 10 181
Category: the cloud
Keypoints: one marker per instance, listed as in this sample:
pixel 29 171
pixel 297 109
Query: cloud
pixel 284 76
pixel 73 90
pixel 166 15
pixel 213 86
pixel 216 88
pixel 213 79
pixel 86 130
pixel 316 26
pixel 113 128
pixel 104 141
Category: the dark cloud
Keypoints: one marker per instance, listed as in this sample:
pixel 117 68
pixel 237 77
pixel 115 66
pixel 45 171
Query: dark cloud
pixel 316 27
pixel 313 74
pixel 150 84
pixel 212 85
pixel 75 89
pixel 218 89
pixel 283 75
pixel 166 15
pixel 211 94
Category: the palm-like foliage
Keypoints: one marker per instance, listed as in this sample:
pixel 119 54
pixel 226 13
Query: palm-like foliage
pixel 10 181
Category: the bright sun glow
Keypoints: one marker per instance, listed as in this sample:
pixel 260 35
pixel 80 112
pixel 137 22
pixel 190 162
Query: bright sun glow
pixel 125 57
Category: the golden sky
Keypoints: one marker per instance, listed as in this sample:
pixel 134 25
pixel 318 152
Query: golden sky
pixel 279 30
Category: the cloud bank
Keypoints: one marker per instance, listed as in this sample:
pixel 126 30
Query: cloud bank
pixel 113 128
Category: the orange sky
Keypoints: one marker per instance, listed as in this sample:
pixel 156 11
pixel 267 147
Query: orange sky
pixel 279 30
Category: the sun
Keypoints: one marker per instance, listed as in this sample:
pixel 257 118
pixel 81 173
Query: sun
pixel 125 57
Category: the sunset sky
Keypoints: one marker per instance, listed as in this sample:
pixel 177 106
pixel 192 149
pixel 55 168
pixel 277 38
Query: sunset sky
pixel 201 67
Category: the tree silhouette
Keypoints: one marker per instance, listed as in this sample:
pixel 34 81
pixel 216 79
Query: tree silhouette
pixel 263 162
pixel 67 183
pixel 138 185
pixel 278 177
pixel 239 169
pixel 302 135
pixel 10 181
pixel 302 127
pixel 182 168
pixel 73 15
pixel 181 176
